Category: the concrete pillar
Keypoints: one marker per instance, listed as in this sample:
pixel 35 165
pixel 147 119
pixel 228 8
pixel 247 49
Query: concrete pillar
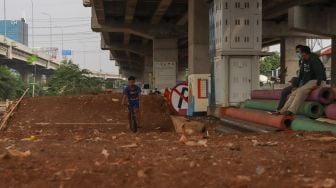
pixel 165 58
pixel 333 61
pixel 38 78
pixel 47 78
pixel 289 62
pixel 148 70
pixel 26 75
pixel 181 74
pixel 198 37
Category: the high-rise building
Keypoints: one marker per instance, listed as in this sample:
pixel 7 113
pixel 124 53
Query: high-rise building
pixel 15 29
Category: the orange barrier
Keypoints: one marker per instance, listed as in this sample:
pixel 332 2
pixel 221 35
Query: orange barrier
pixel 263 118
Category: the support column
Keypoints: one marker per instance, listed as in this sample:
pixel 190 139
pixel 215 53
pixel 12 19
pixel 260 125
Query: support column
pixel 289 62
pixel 199 65
pixel 333 62
pixel 148 71
pixel 198 37
pixel 39 78
pixel 25 75
pixel 165 57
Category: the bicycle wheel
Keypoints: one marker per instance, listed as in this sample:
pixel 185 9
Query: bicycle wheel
pixel 133 123
pixel 130 119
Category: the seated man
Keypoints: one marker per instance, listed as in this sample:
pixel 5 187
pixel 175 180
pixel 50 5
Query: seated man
pixel 312 74
pixel 294 82
pixel 286 92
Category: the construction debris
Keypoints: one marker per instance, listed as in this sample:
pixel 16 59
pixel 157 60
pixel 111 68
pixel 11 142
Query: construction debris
pixel 17 153
pixel 257 143
pixel 8 114
pixel 134 145
pixel 105 153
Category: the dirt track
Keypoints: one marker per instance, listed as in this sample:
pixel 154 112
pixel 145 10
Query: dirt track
pixel 105 154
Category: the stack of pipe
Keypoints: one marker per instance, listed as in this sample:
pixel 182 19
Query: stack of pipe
pixel 330 110
pixel 310 109
pixel 324 95
pixel 306 124
pixel 258 117
pixel 319 102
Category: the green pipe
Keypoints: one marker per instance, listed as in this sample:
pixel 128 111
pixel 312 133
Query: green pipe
pixel 306 124
pixel 310 109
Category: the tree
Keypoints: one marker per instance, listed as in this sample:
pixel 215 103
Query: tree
pixel 69 79
pixel 11 85
pixel 109 84
pixel 269 63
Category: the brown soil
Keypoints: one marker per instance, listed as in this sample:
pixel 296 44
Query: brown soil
pixel 84 142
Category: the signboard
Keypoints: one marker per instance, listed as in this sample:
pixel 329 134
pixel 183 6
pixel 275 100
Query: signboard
pixel 179 99
pixel 164 75
pixel 66 52
pixel 203 88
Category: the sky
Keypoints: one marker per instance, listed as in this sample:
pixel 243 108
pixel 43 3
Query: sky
pixel 69 17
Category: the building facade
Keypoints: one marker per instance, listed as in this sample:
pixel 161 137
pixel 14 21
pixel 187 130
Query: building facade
pixel 15 29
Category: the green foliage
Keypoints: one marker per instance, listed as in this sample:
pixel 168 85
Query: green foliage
pixel 32 59
pixel 69 79
pixel 269 63
pixel 109 84
pixel 11 85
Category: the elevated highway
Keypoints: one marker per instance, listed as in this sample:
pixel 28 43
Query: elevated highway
pixel 220 38
pixel 129 28
pixel 15 55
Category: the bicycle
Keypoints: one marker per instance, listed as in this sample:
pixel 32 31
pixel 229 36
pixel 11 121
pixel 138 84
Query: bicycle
pixel 132 119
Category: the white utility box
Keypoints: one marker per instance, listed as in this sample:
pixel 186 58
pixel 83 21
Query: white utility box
pixel 198 87
pixel 235 78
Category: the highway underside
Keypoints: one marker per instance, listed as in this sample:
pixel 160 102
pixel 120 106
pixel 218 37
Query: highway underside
pixel 83 142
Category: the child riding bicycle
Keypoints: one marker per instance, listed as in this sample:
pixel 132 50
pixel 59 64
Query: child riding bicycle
pixel 132 92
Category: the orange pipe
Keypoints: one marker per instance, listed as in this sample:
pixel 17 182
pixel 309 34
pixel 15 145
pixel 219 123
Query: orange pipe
pixel 263 118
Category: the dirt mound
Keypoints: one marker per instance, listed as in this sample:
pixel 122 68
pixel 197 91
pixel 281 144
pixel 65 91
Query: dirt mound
pixel 39 151
pixel 104 110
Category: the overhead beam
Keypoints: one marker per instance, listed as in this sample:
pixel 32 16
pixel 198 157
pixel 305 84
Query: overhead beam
pixel 270 42
pixel 112 56
pixel 130 9
pixel 139 49
pixel 275 30
pixel 183 20
pixel 99 10
pixel 136 61
pixel 148 31
pixel 281 8
pixel 125 65
pixel 315 20
pixel 160 11
pixel 120 60
pixel 105 37
pixel 129 16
